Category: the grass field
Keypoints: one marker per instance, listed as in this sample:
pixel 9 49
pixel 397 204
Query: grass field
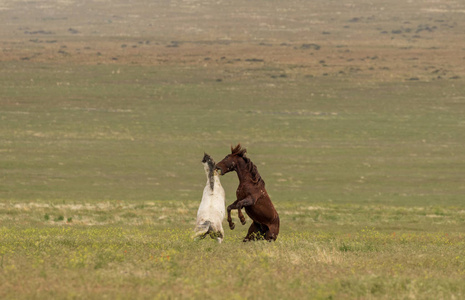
pixel 352 112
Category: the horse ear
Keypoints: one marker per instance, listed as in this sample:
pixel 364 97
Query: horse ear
pixel 236 149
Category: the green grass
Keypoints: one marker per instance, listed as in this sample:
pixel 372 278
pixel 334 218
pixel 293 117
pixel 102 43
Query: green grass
pixel 352 112
pixel 322 252
pixel 138 135
pixel 101 179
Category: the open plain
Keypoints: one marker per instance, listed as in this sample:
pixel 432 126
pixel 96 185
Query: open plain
pixel 353 112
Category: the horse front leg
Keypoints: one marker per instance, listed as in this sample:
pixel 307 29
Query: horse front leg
pixel 247 201
pixel 241 216
pixel 231 207
pixel 238 204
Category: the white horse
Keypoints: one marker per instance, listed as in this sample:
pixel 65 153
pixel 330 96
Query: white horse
pixel 211 210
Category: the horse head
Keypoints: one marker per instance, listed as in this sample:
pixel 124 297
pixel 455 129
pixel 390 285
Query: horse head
pixel 208 160
pixel 229 163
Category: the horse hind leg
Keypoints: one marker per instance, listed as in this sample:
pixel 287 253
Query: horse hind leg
pixel 270 236
pixel 220 236
pixel 256 232
pixel 199 235
pixel 272 233
pixel 217 234
pixel 201 231
pixel 250 234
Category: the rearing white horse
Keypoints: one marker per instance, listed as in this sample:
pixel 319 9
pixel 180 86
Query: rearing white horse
pixel 211 210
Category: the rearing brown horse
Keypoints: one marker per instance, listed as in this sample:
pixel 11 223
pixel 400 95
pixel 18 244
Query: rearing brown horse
pixel 251 194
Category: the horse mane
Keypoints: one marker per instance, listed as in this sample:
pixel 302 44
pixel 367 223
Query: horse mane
pixel 251 167
pixel 211 167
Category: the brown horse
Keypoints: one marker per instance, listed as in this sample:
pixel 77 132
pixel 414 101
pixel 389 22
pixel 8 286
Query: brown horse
pixel 251 195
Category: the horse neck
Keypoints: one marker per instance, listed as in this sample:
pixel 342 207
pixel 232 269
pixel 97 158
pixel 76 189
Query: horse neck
pixel 242 172
pixel 216 180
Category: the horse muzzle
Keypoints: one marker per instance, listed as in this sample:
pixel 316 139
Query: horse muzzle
pixel 218 170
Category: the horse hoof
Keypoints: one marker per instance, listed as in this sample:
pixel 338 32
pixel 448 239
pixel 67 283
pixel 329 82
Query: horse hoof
pixel 243 222
pixel 232 226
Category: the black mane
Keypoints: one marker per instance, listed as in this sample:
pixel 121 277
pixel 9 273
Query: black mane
pixel 251 167
pixel 211 167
